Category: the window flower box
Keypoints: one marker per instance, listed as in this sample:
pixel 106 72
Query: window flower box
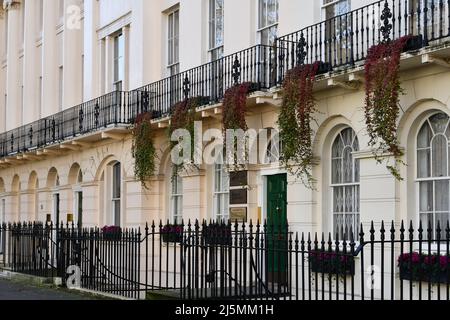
pixel 424 267
pixel 332 263
pixel 112 233
pixel 413 43
pixel 217 235
pixel 172 233
pixel 324 67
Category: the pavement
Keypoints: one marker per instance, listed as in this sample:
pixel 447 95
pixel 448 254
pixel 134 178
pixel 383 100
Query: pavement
pixel 13 290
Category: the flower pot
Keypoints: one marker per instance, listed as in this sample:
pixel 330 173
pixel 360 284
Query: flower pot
pixel 217 235
pixel 172 237
pixel 414 43
pixel 420 274
pixel 172 233
pixel 324 67
pixel 331 263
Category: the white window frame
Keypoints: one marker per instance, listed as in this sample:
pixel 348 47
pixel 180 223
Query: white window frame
pixel 118 68
pixel 354 184
pixel 176 194
pixel 77 189
pixel 173 40
pixel 116 200
pixel 216 51
pixel 221 194
pixel 432 179
pixel 261 28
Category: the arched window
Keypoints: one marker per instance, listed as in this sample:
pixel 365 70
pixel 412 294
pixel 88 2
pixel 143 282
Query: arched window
pixel 433 173
pixel 345 184
pixel 176 198
pixel 221 193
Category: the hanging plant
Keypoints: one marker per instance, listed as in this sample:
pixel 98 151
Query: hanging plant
pixel 382 105
pixel 294 122
pixel 234 107
pixel 143 149
pixel 184 117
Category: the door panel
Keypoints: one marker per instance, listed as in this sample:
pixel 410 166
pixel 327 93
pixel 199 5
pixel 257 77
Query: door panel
pixel 277 228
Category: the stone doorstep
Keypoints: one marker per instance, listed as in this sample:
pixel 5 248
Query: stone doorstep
pixel 35 280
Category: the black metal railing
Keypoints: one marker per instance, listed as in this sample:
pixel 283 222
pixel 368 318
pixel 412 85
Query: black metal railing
pixel 109 109
pixel 345 39
pixel 209 81
pixel 238 261
pixel 338 43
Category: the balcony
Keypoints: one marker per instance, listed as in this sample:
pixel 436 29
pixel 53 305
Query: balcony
pixel 340 44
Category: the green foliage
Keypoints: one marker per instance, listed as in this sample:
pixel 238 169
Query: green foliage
pixel 143 149
pixel 294 122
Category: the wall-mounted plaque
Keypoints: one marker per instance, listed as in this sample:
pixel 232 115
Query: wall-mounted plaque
pixel 238 196
pixel 238 179
pixel 238 214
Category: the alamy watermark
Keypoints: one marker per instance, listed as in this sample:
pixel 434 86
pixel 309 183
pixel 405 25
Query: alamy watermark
pixel 235 147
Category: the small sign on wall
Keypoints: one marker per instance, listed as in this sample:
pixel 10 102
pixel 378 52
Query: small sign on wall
pixel 238 214
pixel 238 196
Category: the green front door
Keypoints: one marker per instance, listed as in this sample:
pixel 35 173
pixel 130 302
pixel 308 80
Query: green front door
pixel 277 228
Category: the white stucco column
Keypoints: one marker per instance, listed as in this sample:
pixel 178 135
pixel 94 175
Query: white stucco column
pixel 91 215
pixel 43 205
pixel 72 55
pixel 28 204
pixel 378 193
pixel 13 78
pixel 12 207
pixel 92 48
pixel 109 64
pixel 194 197
pixel 49 60
pixel 31 65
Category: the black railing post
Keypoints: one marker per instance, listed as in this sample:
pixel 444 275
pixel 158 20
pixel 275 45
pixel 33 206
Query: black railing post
pixel 425 22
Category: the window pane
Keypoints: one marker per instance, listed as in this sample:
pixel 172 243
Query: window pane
pixel 442 195
pixel 348 165
pixel 426 196
pixel 424 137
pixel 272 12
pixel 116 181
pixel 439 156
pixel 338 146
pixel 349 199
pixel 423 164
pixel 338 199
pixel 439 122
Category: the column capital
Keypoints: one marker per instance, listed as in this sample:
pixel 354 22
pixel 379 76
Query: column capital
pixel 11 4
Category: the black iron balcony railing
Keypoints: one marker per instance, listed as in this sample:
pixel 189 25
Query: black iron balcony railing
pixel 345 40
pixel 256 65
pixel 91 116
pixel 339 43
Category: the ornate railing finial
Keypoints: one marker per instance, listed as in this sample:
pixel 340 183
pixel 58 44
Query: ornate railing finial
pixel 301 50
pixel 186 87
pixel 236 71
pixel 386 28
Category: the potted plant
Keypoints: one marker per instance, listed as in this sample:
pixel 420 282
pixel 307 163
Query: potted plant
pixel 217 234
pixel 112 233
pixel 332 263
pixel 424 267
pixel 172 233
